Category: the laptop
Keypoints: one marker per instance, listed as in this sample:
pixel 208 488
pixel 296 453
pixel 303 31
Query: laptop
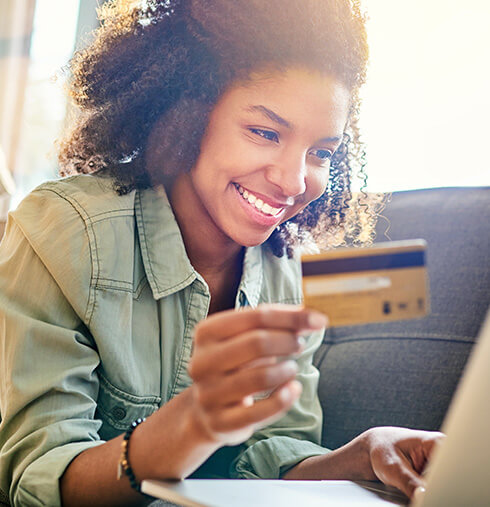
pixel 458 474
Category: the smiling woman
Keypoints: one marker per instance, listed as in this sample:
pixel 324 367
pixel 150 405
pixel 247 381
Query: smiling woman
pixel 218 138
pixel 142 137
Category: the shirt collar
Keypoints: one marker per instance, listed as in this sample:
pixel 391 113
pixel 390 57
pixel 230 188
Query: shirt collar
pixel 167 267
pixel 252 277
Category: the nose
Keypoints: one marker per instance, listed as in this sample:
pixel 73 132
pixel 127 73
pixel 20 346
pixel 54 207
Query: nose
pixel 289 175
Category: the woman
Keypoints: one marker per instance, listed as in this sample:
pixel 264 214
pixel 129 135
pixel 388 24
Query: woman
pixel 217 132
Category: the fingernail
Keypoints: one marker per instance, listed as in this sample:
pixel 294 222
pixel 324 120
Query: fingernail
pixel 291 367
pixel 295 388
pixel 419 491
pixel 291 391
pixel 285 394
pixel 248 401
pixel 300 342
pixel 317 320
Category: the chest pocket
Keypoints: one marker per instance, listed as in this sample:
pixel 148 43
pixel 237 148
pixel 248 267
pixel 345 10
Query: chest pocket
pixel 118 409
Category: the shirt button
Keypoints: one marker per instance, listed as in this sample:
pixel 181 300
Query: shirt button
pixel 119 413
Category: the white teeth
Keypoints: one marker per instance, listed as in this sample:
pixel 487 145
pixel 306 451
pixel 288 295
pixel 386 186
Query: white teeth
pixel 258 203
pixel 267 209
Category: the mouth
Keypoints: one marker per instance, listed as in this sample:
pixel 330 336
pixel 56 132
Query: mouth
pixel 258 203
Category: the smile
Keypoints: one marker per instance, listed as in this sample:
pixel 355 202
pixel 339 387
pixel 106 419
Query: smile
pixel 259 204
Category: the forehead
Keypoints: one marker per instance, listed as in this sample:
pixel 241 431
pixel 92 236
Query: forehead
pixel 298 95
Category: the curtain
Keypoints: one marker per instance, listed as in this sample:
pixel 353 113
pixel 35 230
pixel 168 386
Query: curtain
pixel 16 21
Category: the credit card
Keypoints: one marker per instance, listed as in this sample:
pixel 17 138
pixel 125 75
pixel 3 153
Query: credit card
pixel 383 282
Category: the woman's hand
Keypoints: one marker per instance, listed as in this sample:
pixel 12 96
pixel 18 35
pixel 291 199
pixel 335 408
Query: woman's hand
pixel 395 456
pixel 398 456
pixel 240 354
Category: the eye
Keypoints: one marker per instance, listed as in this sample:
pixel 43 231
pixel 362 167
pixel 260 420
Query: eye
pixel 322 155
pixel 266 134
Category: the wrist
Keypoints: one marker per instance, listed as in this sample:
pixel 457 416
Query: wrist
pixel 350 462
pixel 195 426
pixel 170 444
pixel 124 465
pixel 364 443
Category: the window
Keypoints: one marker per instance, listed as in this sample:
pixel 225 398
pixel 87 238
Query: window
pixel 43 117
pixel 427 100
pixel 58 27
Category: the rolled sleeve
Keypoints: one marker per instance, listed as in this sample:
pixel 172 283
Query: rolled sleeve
pixel 48 383
pixel 274 450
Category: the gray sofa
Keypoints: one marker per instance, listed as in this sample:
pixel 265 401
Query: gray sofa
pixel 405 373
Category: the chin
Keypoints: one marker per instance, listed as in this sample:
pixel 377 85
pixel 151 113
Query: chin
pixel 252 241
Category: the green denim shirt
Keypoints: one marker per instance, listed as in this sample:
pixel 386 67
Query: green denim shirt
pixel 98 301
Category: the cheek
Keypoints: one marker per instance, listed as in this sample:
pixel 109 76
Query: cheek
pixel 316 184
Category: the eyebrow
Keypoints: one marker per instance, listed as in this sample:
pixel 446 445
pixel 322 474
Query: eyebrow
pixel 271 115
pixel 285 123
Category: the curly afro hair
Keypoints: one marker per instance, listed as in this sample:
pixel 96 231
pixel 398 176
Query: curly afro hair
pixel 146 85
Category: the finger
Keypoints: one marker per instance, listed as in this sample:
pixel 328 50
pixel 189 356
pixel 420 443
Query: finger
pixel 409 482
pixel 226 356
pixel 430 444
pixel 402 475
pixel 233 388
pixel 261 413
pixel 293 392
pixel 263 361
pixel 230 323
pixel 419 450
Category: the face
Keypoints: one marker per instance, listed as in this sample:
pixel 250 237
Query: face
pixel 266 153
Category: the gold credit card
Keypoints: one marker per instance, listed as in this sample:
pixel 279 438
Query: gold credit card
pixel 383 282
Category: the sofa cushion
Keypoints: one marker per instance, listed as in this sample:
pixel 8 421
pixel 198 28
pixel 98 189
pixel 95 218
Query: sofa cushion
pixel 405 373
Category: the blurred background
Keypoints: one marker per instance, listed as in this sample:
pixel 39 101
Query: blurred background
pixel 426 106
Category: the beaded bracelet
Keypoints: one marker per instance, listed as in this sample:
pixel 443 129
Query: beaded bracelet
pixel 123 464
